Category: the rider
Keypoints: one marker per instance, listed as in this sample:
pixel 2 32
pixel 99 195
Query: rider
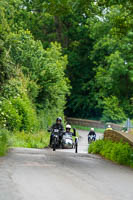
pixel 57 125
pixel 92 132
pixel 68 131
pixel 109 128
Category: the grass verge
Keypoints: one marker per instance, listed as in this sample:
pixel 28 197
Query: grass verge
pixel 3 141
pixel 117 152
pixel 21 139
pixel 97 130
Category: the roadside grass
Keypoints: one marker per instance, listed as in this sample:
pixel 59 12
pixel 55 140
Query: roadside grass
pixel 3 141
pixel 120 153
pixel 22 139
pixel 29 140
pixel 97 130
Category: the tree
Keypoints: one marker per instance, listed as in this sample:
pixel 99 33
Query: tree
pixel 112 111
pixel 47 85
pixel 113 60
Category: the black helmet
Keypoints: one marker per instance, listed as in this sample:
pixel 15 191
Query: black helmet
pixel 59 119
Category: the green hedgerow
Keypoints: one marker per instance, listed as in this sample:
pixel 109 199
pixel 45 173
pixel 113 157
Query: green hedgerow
pixel 119 152
pixel 27 114
pixel 18 114
pixel 96 147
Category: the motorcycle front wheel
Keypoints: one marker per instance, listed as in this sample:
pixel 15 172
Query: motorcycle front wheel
pixel 54 144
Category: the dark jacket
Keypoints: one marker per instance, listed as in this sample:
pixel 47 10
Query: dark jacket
pixel 92 133
pixel 57 126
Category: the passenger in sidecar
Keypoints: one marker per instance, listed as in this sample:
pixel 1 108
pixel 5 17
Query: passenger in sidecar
pixel 67 139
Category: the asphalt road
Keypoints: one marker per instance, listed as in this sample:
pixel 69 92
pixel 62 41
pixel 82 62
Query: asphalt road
pixel 30 174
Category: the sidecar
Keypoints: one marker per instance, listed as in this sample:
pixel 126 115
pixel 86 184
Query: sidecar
pixel 67 142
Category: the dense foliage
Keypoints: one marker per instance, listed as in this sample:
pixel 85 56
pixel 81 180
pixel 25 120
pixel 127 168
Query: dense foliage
pixel 117 152
pixel 33 84
pixel 97 37
pixel 44 44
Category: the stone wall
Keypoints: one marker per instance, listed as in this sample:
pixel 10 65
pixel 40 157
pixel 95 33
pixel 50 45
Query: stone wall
pixel 91 123
pixel 118 136
pixel 85 122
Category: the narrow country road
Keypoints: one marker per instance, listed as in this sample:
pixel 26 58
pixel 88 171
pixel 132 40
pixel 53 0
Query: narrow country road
pixel 31 174
pixel 83 142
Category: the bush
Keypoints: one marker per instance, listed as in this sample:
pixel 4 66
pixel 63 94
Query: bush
pixel 26 113
pixel 121 153
pixel 118 152
pixel 18 114
pixel 9 116
pixel 96 147
pixel 3 141
pixel 16 108
pixel 48 84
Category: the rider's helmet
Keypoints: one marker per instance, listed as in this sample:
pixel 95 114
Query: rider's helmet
pixel 68 126
pixel 59 119
pixel 109 126
pixel 92 129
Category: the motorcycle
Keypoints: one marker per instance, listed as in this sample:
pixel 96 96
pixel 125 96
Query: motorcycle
pixel 63 140
pixel 91 138
pixel 55 139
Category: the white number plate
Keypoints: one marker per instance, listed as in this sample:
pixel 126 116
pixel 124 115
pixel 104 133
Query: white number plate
pixel 56 130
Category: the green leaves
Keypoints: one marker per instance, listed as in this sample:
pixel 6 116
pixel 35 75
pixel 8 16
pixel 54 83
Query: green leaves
pixel 112 110
pixel 112 56
pixel 95 52
pixel 44 68
pixel 40 78
pixel 17 113
pixel 26 52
